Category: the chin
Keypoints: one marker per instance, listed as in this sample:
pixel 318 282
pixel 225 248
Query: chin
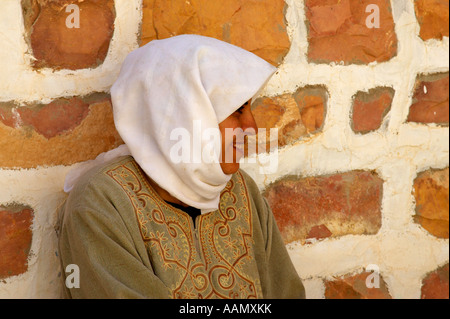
pixel 229 168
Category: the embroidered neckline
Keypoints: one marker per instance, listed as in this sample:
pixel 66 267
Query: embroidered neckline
pixel 214 259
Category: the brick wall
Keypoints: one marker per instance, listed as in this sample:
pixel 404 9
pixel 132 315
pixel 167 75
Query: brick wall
pixel 360 101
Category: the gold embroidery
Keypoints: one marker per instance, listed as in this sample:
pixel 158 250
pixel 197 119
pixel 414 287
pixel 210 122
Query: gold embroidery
pixel 216 260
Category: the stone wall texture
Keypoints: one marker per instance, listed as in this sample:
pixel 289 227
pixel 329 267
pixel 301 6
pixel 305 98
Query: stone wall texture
pixel 360 189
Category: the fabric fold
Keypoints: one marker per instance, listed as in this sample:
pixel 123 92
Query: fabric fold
pixel 168 94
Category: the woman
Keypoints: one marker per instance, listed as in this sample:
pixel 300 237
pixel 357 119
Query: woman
pixel 151 223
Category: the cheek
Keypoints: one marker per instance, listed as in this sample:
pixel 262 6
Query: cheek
pixel 228 152
pixel 227 132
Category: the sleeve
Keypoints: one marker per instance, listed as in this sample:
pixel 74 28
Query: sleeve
pixel 279 278
pixel 282 280
pixel 95 237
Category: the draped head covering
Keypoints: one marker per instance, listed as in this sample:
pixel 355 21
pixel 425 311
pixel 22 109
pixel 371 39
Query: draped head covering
pixel 184 84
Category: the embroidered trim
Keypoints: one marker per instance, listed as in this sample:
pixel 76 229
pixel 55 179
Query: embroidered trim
pixel 216 260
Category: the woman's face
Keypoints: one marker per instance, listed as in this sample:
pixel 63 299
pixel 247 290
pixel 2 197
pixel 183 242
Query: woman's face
pixel 233 131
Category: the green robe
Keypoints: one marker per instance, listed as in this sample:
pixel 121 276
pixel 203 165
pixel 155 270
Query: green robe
pixel 129 243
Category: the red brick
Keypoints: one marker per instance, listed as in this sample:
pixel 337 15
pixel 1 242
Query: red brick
pixel 51 119
pixel 337 32
pixel 354 287
pixel 64 132
pixel 348 203
pixel 312 101
pixel 271 113
pixel 55 118
pixel 319 232
pixel 15 239
pixel 295 115
pixel 267 112
pixel 255 25
pixel 435 285
pixel 433 18
pixel 370 108
pixel 57 46
pixel 431 192
pixel 430 100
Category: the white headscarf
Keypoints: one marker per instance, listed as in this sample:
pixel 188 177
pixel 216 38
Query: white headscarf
pixel 171 84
